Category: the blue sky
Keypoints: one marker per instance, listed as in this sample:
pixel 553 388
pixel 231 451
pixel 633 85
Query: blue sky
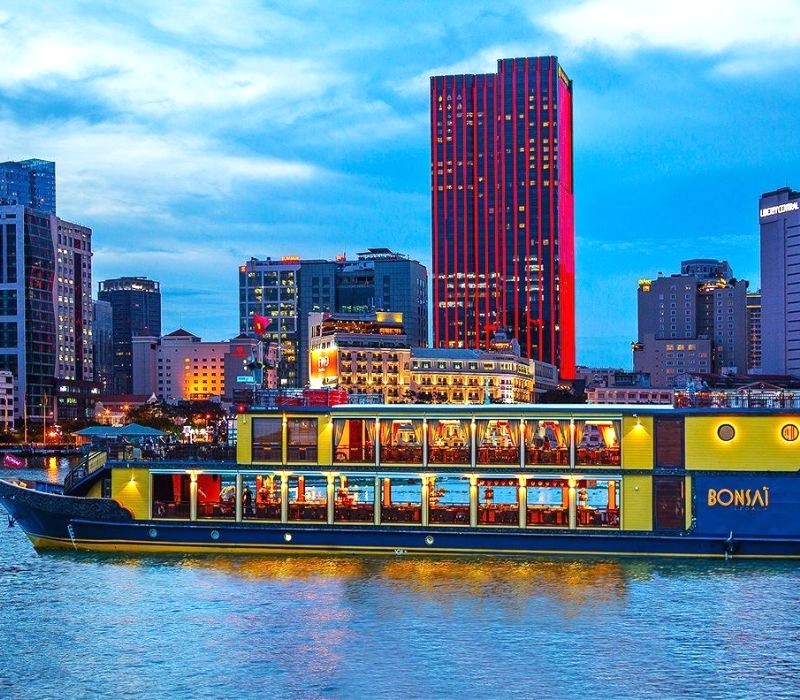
pixel 194 134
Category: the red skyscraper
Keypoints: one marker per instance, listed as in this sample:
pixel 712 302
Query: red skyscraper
pixel 503 211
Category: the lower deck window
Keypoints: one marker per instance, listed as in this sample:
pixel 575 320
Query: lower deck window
pixel 261 497
pixel 498 502
pixel 598 503
pixel 448 500
pixel 308 498
pixel 216 496
pixel 171 494
pixel 548 503
pixel 401 500
pixel 355 500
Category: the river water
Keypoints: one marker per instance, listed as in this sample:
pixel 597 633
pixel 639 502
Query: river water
pixel 77 626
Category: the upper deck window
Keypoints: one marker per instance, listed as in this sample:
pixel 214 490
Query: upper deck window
pixel 597 442
pixel 401 441
pixel 498 441
pixel 547 441
pixel 301 439
pixel 354 440
pixel 449 441
pixel 267 439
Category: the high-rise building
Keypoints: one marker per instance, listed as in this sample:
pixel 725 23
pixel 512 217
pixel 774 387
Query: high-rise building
pixel 102 343
pixel 503 209
pixel 74 300
pixel 779 216
pixel 30 183
pixel 76 390
pixel 45 313
pixel 692 323
pixel 136 310
pixel 754 332
pixel 287 290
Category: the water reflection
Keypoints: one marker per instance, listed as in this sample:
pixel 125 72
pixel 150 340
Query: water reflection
pixel 51 469
pixel 351 626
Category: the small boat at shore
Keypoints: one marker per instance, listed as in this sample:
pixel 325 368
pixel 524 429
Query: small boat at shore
pixel 457 480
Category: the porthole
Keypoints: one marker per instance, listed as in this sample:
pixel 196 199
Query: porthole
pixel 152 532
pixel 429 539
pixel 215 534
pixel 726 432
pixel 790 432
pixel 288 537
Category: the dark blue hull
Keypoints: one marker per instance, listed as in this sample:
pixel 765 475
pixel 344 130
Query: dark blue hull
pixel 247 537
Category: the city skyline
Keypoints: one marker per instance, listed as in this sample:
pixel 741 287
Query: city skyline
pixel 213 135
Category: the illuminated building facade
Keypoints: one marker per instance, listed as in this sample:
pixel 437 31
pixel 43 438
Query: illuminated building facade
pixel 361 353
pixel 178 367
pixel 136 310
pixel 369 354
pixel 288 290
pixel 779 217
pixel 75 389
pixel 461 376
pixel 503 209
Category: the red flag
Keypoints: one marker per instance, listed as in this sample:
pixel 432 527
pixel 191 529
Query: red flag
pixel 260 324
pixel 13 461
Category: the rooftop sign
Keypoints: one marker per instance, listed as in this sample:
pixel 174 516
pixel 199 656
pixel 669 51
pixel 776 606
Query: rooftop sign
pixel 780 209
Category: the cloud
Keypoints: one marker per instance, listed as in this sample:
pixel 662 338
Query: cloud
pixel 124 169
pixel 483 61
pixel 746 35
pixel 131 74
pixel 243 24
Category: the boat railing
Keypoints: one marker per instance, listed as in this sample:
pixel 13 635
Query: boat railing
pixel 197 452
pixel 784 398
pixel 85 468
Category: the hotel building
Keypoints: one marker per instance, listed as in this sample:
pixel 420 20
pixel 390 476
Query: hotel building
pixel 503 211
pixel 691 323
pixel 369 354
pixel 180 366
pixel 779 216
pixel 361 353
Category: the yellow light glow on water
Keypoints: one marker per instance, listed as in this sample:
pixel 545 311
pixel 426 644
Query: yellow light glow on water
pixel 51 463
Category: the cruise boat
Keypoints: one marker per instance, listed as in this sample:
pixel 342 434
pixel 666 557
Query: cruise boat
pixel 461 480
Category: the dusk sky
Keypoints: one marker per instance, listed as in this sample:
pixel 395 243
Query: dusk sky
pixel 192 135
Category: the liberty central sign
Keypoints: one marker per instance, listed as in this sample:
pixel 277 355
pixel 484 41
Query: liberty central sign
pixel 780 209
